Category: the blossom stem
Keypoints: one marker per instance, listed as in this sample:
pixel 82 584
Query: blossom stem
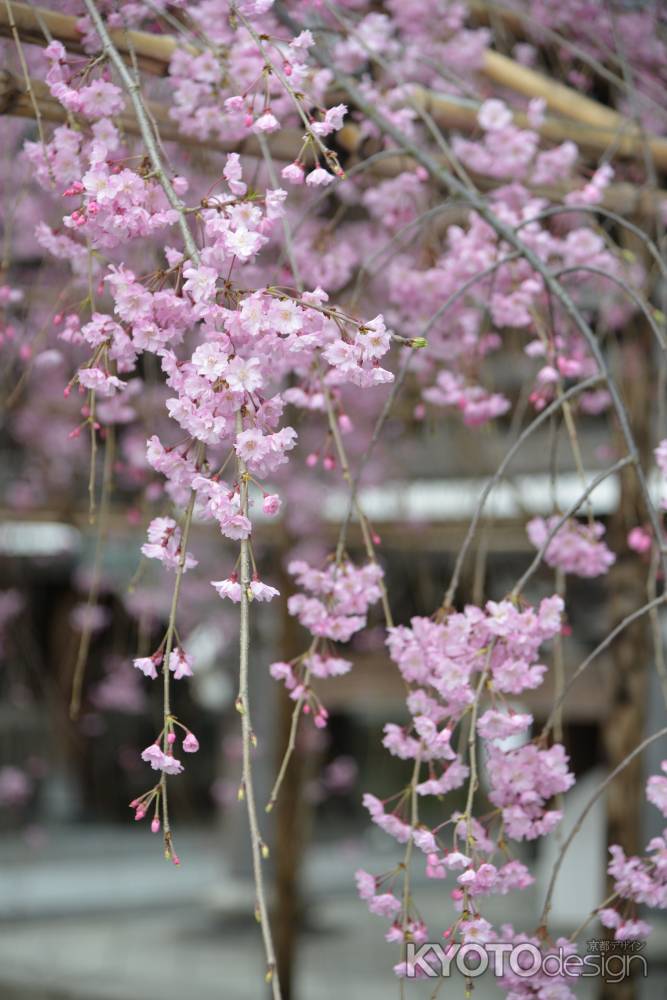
pixel 168 645
pixel 363 523
pixel 407 858
pixel 591 916
pixel 102 530
pixel 93 458
pixel 291 742
pixel 243 704
pixel 547 412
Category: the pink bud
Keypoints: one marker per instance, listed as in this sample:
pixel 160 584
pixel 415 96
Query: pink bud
pixel 312 459
pixel 155 825
pixel 191 743
pixel 639 540
pixel 271 504
pixel 140 813
pixel 171 739
pixel 175 858
pixel 345 423
pixel 329 463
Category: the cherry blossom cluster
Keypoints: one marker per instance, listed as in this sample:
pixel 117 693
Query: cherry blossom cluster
pixel 164 761
pixel 575 548
pixel 225 349
pixel 474 292
pixel 333 608
pixel 272 86
pixel 507 151
pixel 637 28
pixel 637 880
pixel 164 544
pixel 449 665
pixel 179 663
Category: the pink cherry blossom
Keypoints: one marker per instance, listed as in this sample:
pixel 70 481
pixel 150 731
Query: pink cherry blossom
pixel 180 663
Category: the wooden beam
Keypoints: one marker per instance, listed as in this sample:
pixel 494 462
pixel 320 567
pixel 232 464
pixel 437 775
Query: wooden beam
pixel 285 145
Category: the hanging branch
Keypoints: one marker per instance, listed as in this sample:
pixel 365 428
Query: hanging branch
pixel 150 141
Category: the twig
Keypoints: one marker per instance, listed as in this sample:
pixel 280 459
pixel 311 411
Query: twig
pixel 584 813
pixel 248 738
pixel 572 509
pixel 102 532
pixel 600 648
pixel 500 471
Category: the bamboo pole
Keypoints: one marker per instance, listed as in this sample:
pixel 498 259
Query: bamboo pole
pixel 558 97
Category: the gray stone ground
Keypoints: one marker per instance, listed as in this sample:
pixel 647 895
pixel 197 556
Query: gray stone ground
pixel 97 914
